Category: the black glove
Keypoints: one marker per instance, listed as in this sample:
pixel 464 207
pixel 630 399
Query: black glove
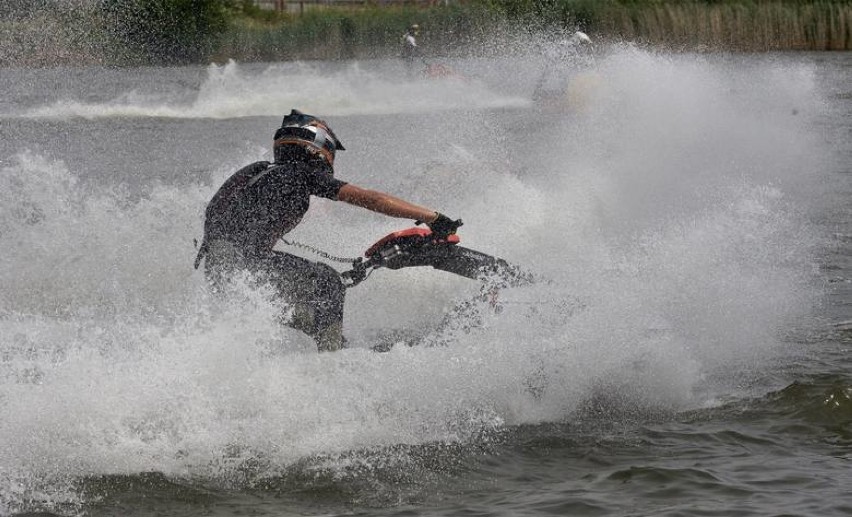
pixel 443 226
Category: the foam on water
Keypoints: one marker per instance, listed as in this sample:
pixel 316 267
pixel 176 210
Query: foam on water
pixel 230 91
pixel 670 215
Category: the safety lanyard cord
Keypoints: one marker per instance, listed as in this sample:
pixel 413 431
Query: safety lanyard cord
pixel 319 252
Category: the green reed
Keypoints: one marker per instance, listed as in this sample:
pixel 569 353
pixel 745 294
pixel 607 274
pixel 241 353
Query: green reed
pixel 89 36
pixel 744 25
pixel 748 26
pixel 370 31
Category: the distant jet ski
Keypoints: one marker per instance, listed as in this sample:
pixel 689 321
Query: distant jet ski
pixel 440 71
pixel 576 95
pixel 568 79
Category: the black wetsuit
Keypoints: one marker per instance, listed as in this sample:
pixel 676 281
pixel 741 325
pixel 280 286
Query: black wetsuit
pixel 247 216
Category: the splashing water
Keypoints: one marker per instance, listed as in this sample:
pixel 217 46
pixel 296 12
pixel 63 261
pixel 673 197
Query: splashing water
pixel 231 91
pixel 670 215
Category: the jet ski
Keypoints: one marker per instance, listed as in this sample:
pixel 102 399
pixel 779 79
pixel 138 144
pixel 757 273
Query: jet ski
pixel 504 286
pixel 418 247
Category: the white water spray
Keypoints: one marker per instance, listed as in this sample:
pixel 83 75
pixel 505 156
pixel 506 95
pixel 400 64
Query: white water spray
pixel 669 212
pixel 234 90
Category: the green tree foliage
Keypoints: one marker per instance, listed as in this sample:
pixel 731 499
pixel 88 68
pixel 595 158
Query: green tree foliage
pixel 10 9
pixel 166 31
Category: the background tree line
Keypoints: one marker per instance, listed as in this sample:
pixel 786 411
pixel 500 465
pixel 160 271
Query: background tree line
pixel 132 32
pixel 167 31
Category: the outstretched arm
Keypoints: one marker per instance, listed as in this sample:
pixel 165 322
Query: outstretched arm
pixel 385 204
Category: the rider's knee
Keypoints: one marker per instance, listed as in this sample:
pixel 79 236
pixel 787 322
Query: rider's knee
pixel 329 279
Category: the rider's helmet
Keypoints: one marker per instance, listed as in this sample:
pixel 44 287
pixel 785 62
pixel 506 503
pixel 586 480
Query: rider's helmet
pixel 414 29
pixel 300 131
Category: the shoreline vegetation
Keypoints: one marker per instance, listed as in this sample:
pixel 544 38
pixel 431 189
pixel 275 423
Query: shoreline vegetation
pixel 166 32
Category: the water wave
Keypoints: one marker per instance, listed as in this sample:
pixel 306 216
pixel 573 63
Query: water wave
pixel 230 91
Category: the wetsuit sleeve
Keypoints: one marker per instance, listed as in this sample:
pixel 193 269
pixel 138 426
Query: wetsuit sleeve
pixel 325 185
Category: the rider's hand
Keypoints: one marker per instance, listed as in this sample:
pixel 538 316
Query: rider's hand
pixel 443 226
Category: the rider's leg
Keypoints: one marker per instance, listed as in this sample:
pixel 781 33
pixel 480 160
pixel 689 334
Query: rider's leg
pixel 316 294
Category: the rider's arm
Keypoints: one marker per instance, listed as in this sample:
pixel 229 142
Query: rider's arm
pixel 384 203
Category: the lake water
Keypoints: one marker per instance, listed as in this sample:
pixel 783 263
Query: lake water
pixel 689 355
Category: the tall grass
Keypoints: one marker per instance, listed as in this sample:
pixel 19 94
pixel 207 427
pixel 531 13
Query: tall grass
pixel 365 32
pixel 749 26
pixel 80 34
pixel 745 25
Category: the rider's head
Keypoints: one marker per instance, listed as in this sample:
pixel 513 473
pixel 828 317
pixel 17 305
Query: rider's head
pixel 580 38
pixel 301 132
pixel 414 29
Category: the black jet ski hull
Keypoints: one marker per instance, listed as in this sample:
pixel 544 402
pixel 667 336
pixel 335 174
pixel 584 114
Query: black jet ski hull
pixel 417 247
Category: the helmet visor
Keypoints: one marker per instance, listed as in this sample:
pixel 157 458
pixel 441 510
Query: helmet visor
pixel 313 136
pixel 323 137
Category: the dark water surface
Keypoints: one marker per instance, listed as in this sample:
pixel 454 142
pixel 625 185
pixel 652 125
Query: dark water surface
pixel 690 356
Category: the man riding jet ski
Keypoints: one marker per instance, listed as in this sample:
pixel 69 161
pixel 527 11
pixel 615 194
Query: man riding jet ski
pixel 263 201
